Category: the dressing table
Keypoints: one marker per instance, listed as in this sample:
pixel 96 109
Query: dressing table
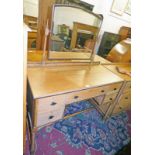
pixel 58 79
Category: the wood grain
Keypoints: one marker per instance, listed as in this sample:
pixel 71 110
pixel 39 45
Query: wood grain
pixel 57 80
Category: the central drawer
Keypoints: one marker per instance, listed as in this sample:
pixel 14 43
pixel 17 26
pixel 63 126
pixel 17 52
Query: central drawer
pixel 58 102
pixel 91 92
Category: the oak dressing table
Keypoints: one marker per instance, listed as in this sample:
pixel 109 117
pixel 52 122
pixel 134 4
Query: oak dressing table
pixel 69 77
pixel 50 89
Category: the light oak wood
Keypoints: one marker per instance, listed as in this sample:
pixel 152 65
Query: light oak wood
pixel 126 67
pixel 49 117
pixel 50 104
pixel 104 107
pixel 110 97
pixel 68 55
pixel 121 103
pixel 45 9
pixel 127 87
pixel 49 81
pixel 35 56
pixel 124 103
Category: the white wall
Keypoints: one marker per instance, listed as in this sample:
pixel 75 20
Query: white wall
pixel 111 22
pixel 30 7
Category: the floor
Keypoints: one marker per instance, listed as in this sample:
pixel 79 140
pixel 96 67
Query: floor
pixel 84 134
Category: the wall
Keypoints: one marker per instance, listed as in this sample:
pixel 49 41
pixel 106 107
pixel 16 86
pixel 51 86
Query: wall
pixel 30 7
pixel 111 21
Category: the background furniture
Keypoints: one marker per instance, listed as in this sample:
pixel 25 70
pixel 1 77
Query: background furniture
pixel 79 26
pixel 124 97
pixel 107 43
pixel 125 32
pixel 121 52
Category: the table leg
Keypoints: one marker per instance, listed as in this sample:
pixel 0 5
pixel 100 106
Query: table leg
pixel 32 147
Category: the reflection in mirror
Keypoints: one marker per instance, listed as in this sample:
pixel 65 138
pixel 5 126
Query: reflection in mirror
pixel 73 33
pixel 30 15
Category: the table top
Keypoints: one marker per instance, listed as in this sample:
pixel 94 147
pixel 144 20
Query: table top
pixel 47 81
pixel 124 67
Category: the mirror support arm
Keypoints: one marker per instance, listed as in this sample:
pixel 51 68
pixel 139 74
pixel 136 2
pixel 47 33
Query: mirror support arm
pixel 45 44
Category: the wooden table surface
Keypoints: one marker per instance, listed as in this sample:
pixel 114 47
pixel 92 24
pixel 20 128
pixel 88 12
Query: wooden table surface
pixel 46 81
pixel 125 67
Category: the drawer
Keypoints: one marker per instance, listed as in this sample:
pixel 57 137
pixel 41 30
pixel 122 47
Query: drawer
pixel 124 103
pixel 93 92
pixel 125 99
pixel 110 97
pixel 112 88
pixel 43 119
pixel 50 104
pixel 127 87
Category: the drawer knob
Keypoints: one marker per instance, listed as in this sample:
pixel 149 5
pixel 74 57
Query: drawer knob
pixel 53 103
pixel 75 97
pixel 50 117
pixel 110 98
pixel 115 88
pixel 120 107
pixel 126 98
pixel 102 91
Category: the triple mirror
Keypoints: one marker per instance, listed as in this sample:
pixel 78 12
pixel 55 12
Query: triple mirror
pixel 73 33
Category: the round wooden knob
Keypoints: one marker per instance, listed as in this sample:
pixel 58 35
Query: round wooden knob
pixel 110 98
pixel 50 117
pixel 115 88
pixel 102 91
pixel 53 103
pixel 126 98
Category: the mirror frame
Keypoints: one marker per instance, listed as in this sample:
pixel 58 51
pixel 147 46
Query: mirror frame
pixel 51 26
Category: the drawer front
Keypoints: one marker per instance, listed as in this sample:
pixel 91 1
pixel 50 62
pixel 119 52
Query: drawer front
pixel 50 104
pixel 43 119
pixel 110 97
pixel 127 87
pixel 125 99
pixel 93 92
pixel 123 104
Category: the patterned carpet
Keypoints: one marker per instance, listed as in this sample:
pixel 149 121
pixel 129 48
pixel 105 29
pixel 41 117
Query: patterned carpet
pixel 84 134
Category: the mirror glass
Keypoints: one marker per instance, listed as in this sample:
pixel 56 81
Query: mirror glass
pixel 73 33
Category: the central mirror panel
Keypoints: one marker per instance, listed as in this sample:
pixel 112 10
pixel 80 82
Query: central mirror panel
pixel 73 33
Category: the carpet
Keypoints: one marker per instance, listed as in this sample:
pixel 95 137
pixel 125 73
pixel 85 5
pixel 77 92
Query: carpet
pixel 84 134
